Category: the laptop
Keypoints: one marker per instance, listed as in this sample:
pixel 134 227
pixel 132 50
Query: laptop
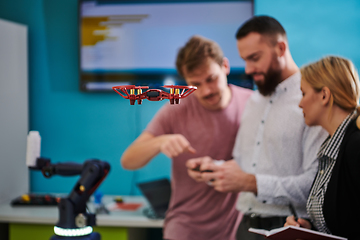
pixel 157 193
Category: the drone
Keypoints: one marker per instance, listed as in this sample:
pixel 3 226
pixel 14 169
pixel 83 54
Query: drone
pixel 174 96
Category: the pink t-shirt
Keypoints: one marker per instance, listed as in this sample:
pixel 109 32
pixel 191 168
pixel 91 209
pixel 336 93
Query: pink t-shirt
pixel 196 210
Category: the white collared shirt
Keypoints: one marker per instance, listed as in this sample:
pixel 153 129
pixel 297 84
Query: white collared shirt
pixel 275 145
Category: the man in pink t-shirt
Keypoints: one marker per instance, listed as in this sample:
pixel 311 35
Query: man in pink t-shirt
pixel 205 123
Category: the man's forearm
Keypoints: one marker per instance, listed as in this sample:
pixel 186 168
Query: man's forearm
pixel 251 184
pixel 141 152
pixel 279 190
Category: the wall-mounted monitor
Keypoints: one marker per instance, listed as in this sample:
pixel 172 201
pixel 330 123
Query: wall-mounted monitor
pixel 136 42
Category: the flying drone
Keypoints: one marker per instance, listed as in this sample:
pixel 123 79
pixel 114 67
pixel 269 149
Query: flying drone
pixel 135 93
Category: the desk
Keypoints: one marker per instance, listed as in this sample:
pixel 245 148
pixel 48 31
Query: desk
pixel 122 224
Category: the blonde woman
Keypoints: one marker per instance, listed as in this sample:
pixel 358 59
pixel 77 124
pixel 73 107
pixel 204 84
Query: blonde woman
pixel 330 90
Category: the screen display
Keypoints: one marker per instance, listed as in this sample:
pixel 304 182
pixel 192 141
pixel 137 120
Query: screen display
pixel 136 42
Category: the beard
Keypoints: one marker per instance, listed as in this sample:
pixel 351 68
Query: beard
pixel 272 78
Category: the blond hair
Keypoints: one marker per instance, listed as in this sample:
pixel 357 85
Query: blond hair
pixel 340 76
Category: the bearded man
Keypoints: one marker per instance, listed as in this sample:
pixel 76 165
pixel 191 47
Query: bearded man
pixel 275 151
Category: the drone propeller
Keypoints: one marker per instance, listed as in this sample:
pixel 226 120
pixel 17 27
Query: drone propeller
pixel 132 88
pixel 175 94
pixel 132 96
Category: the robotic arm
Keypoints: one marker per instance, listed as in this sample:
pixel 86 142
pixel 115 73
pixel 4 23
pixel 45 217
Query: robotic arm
pixel 74 221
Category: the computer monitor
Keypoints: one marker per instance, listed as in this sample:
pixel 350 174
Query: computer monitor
pixel 158 194
pixel 136 42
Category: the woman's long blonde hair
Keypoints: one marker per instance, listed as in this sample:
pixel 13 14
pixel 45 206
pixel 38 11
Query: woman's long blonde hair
pixel 340 76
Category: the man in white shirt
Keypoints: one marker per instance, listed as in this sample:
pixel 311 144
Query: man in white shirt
pixel 275 152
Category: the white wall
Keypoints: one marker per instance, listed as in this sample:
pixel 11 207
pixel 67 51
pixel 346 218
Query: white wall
pixel 14 175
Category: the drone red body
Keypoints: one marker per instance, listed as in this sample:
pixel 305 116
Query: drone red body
pixel 128 92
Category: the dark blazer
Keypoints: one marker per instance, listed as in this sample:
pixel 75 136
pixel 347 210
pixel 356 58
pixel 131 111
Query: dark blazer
pixel 342 198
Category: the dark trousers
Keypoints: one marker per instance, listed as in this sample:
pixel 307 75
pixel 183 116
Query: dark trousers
pixel 253 221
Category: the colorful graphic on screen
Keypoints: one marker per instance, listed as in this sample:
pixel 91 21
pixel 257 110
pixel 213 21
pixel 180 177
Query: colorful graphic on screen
pixel 136 42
